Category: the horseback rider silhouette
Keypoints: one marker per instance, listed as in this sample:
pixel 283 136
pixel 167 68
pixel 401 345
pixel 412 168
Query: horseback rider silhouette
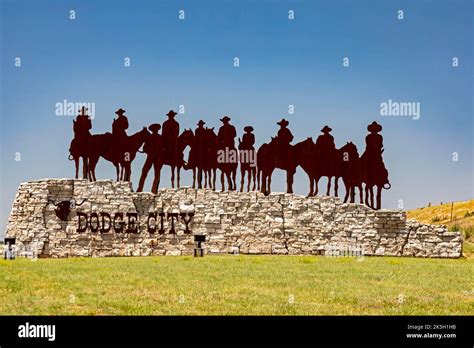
pixel 153 147
pixel 248 158
pixel 120 124
pixel 325 151
pixel 373 151
pixel 374 172
pixel 283 140
pixel 226 142
pixel 199 146
pixel 374 141
pixel 79 146
pixel 170 136
pixel 82 124
pixel 248 139
pixel 226 134
pixel 119 134
pixel 198 152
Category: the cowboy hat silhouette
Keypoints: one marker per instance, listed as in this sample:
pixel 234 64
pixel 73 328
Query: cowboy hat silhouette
pixel 171 113
pixel 201 123
pixel 374 127
pixel 120 112
pixel 225 119
pixel 154 128
pixel 283 123
pixel 326 129
pixel 248 129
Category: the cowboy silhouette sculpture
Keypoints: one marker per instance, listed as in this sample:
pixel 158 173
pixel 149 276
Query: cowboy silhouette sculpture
pixel 210 152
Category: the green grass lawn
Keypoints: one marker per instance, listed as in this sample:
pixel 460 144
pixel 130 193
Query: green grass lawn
pixel 237 285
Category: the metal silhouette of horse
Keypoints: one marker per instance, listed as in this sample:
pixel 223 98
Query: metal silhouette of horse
pixel 102 145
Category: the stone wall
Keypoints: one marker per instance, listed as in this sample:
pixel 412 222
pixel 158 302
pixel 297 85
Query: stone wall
pixel 247 223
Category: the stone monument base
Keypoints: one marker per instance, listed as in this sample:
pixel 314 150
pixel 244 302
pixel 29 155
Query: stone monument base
pixel 65 218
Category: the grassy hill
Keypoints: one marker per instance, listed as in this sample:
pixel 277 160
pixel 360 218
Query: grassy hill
pixel 457 216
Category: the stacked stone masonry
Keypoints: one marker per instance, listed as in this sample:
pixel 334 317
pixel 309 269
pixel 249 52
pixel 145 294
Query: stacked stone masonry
pixel 233 222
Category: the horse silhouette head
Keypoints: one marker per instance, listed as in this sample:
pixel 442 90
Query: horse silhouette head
pixel 351 148
pixel 63 208
pixel 187 137
pixel 144 132
pixel 211 135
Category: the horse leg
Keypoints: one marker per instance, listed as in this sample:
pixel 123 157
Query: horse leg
pixel 254 176
pixel 259 174
pixel 199 178
pixel 86 159
pixel 269 187
pixel 348 189
pixel 156 179
pixel 89 172
pixel 194 177
pixel 214 174
pixel 128 173
pixel 234 179
pixel 361 194
pixel 379 197
pixel 242 178
pixel 329 186
pixel 76 162
pixel 352 194
pixel 222 181
pixel 289 181
pixel 93 171
pixel 311 186
pixel 172 176
pixel 249 179
pixel 229 181
pixel 84 167
pixel 371 194
pixel 336 186
pixel 178 174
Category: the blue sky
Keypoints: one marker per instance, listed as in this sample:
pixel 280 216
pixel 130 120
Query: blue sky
pixel 190 62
